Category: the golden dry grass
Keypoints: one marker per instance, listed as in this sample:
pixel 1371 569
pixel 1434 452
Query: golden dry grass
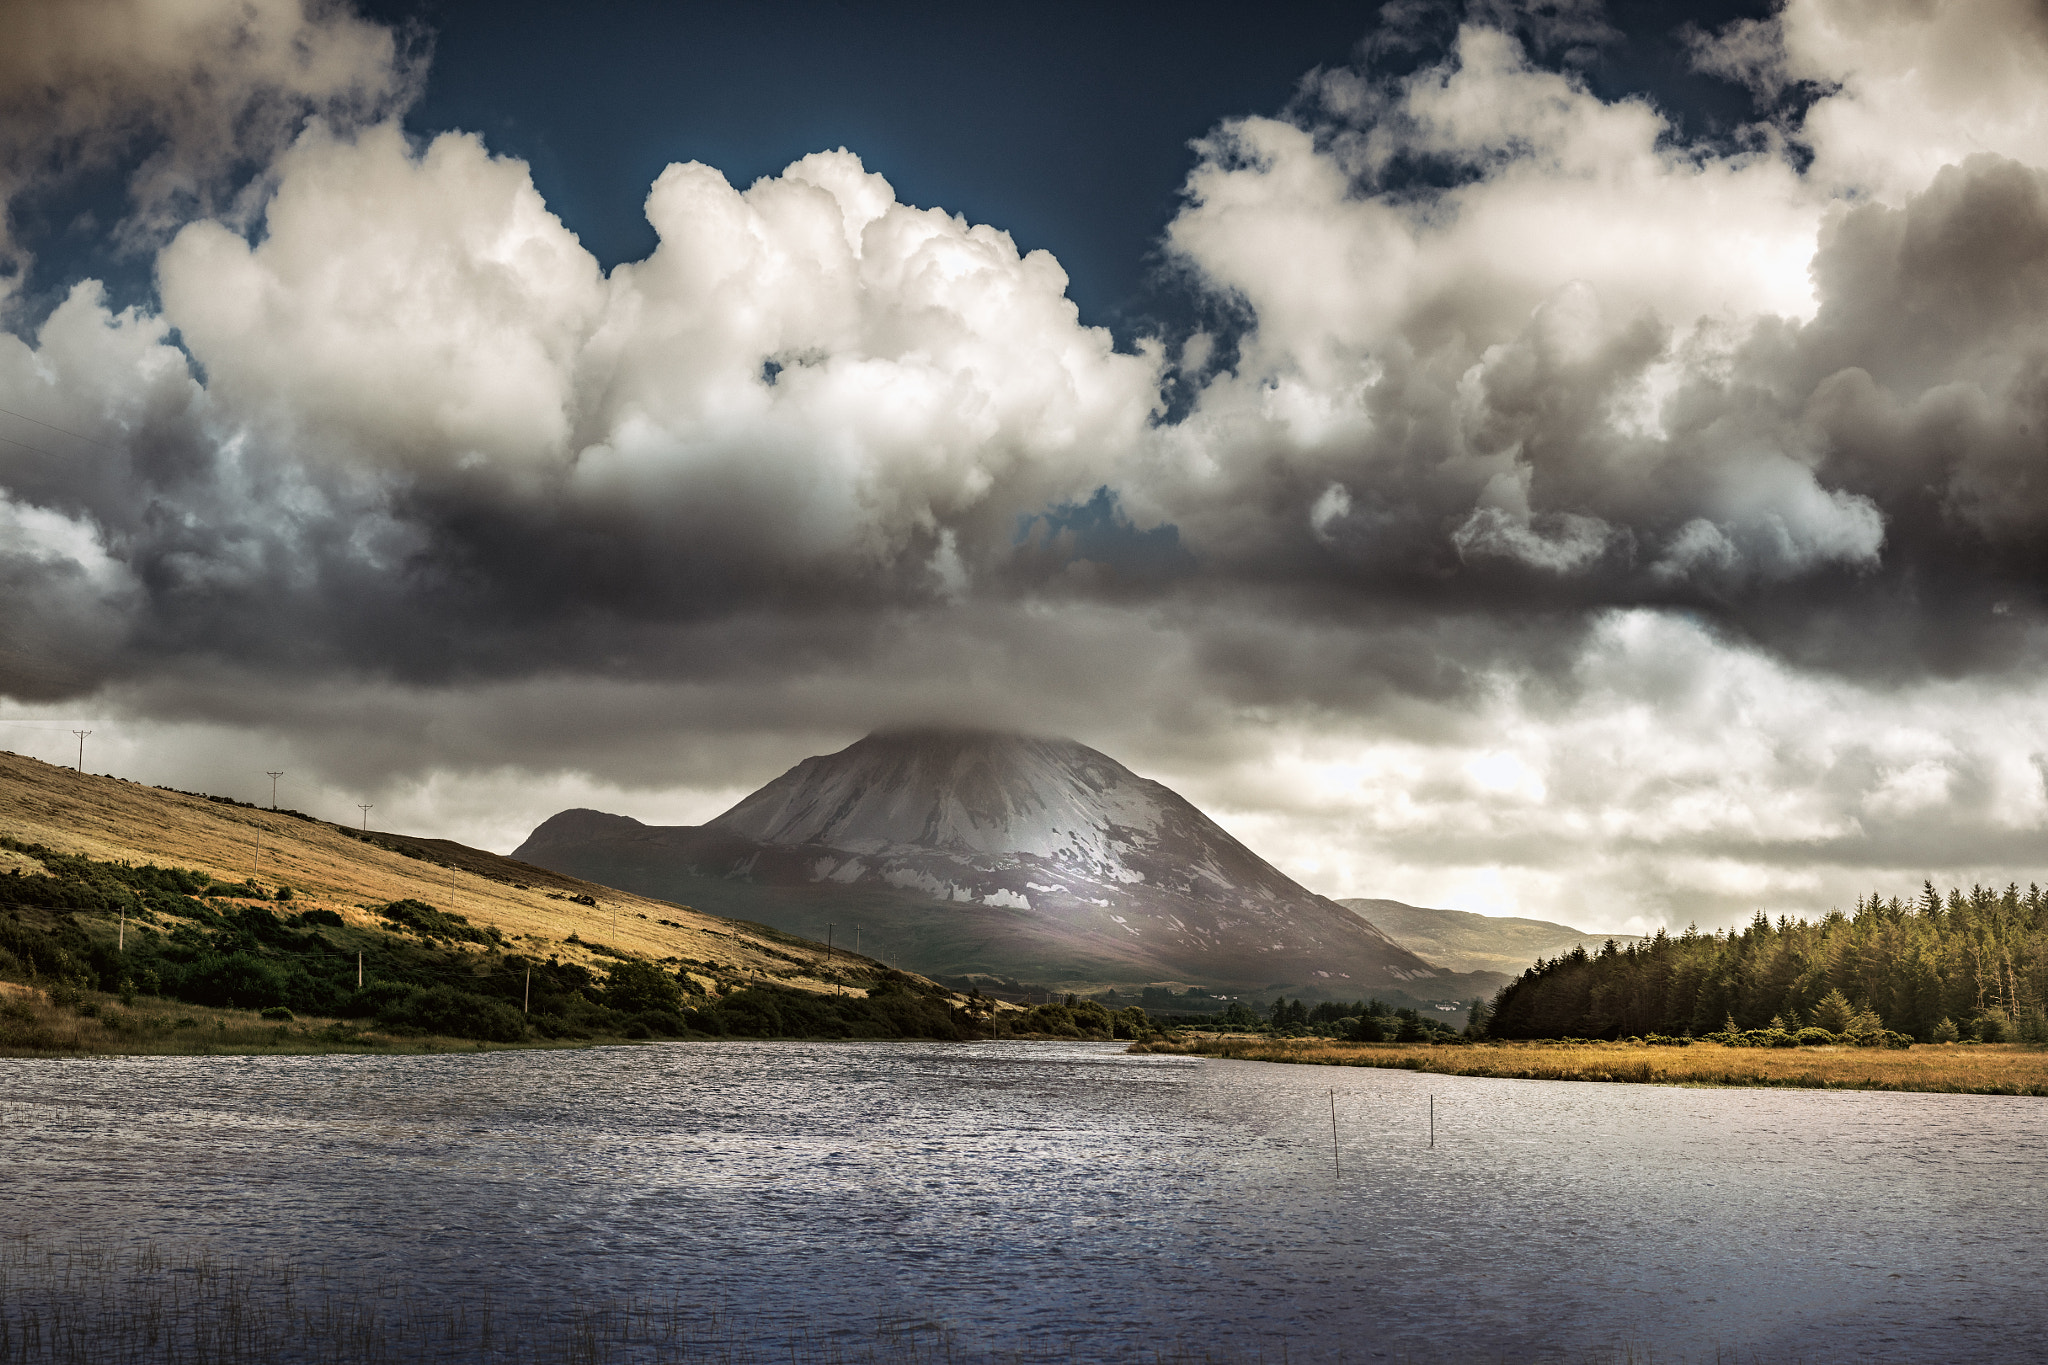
pixel 112 819
pixel 1969 1068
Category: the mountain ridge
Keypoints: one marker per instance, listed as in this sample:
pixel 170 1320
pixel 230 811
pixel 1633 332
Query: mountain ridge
pixel 1461 940
pixel 985 851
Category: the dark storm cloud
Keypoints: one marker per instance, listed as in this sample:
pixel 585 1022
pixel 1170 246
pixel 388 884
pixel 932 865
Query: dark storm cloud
pixel 434 443
pixel 1863 490
pixel 1488 450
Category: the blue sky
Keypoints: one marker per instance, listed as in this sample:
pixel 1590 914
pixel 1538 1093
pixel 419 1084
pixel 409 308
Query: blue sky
pixel 1066 124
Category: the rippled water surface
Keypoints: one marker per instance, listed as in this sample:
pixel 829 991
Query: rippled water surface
pixel 1075 1200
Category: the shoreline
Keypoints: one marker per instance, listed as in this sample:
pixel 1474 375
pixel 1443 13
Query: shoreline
pixel 1946 1068
pixel 155 1027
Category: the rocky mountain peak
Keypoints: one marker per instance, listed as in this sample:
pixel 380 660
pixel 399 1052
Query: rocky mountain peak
pixel 969 791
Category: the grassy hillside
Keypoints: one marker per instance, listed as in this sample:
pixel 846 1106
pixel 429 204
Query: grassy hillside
pixel 332 868
pixel 1460 941
pixel 110 887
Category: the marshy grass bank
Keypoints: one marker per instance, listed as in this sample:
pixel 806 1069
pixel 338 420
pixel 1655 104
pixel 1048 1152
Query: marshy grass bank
pixel 1954 1068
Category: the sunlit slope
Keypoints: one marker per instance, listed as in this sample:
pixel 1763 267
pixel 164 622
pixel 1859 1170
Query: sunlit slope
pixel 326 866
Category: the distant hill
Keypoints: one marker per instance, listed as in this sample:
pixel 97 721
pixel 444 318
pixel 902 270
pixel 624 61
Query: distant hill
pixel 967 851
pixel 1461 941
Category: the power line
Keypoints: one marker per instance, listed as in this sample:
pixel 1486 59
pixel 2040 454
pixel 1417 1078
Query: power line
pixel 52 426
pixel 48 455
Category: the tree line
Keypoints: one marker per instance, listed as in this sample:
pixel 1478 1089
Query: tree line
pixel 1966 966
pixel 1358 1021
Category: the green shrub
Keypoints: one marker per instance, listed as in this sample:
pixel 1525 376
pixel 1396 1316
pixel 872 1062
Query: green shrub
pixel 279 1014
pixel 1367 1028
pixel 1946 1031
pixel 660 1024
pixel 1816 1037
pixel 1756 1037
pixel 1094 1017
pixel 456 1013
pixel 420 918
pixel 1238 1015
pixel 1879 1037
pixel 636 987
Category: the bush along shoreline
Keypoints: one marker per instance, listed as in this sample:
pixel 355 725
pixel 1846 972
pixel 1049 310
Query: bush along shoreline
pixel 82 931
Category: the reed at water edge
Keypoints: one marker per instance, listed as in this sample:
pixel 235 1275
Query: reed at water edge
pixel 1955 1068
pixel 87 1305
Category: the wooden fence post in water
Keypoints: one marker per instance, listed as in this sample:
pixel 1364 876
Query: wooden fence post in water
pixel 1336 1161
pixel 1432 1121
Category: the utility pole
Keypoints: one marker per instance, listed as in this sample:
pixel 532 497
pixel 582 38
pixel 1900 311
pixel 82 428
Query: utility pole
pixel 273 787
pixel 366 815
pixel 81 747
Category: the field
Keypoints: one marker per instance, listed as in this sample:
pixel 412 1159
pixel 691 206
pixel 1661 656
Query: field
pixel 1953 1068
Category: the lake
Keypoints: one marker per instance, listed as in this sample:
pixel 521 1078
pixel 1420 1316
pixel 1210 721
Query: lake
pixel 1072 1200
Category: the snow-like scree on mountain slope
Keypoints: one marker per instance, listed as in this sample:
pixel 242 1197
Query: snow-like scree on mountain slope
pixel 970 792
pixel 1042 850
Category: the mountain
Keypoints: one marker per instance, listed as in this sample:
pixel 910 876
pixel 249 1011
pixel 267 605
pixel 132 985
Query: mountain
pixel 969 851
pixel 1461 941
